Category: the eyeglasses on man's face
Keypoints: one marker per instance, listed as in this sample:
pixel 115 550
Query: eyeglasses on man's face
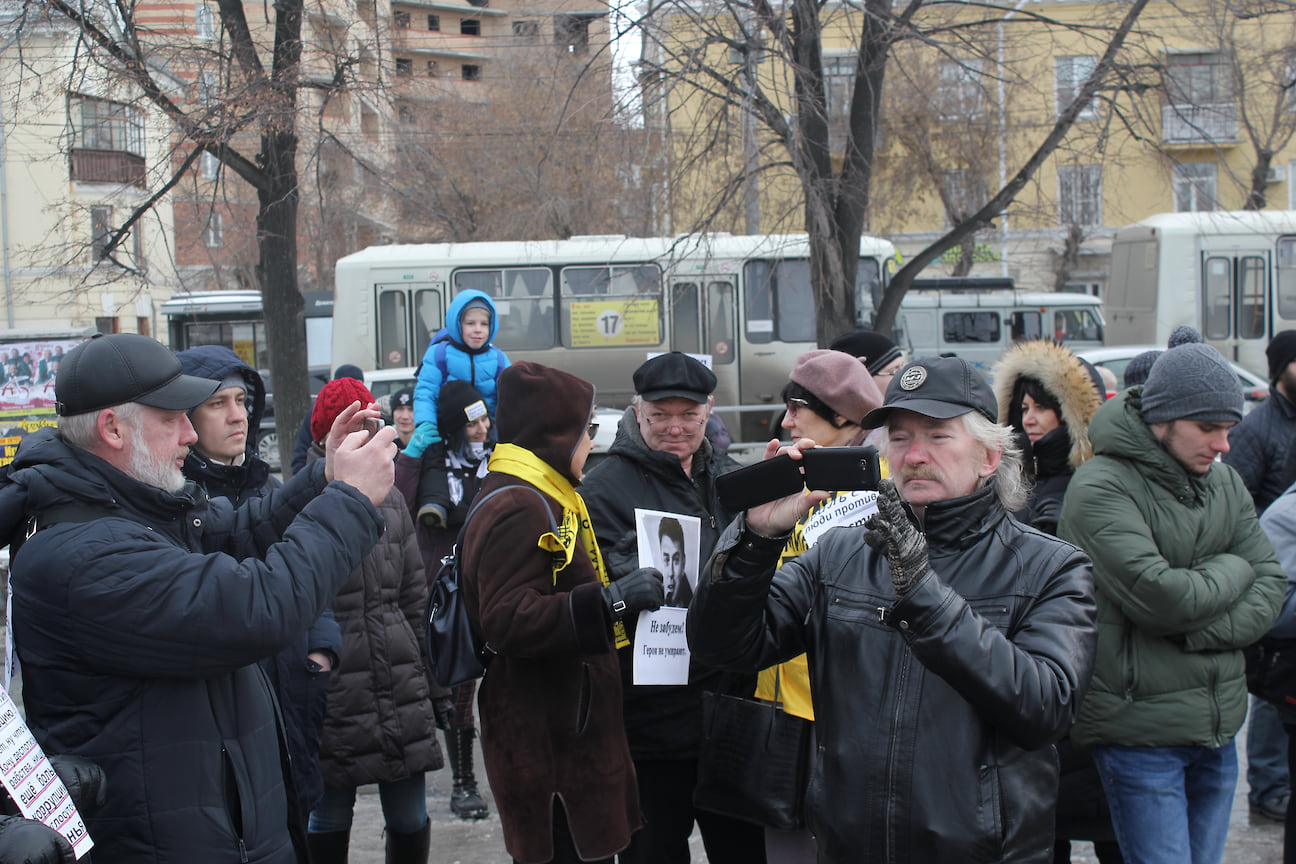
pixel 689 421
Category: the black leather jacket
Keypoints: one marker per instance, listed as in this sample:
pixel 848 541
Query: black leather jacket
pixel 935 712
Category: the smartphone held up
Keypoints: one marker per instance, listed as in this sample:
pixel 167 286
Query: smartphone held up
pixel 830 469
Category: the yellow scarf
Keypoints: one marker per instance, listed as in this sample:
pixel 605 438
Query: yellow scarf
pixel 522 463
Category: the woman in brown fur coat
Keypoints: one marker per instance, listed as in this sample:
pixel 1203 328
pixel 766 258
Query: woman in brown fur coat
pixel 552 732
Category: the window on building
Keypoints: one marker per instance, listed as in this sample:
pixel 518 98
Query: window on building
pixel 1069 74
pixel 204 22
pixel 404 67
pixel 839 79
pixel 1195 186
pixel 434 23
pixel 959 95
pixel 431 68
pixel 142 325
pixel 572 33
pixel 470 26
pixel 100 231
pixel 1080 195
pixel 471 72
pixel 107 324
pixel 137 247
pixel 528 30
pixel 208 166
pixel 1198 79
pixel 369 121
pixel 98 124
pixel 401 20
pixel 214 231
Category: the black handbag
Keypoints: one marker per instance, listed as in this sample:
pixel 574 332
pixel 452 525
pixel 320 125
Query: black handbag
pixel 454 651
pixel 754 762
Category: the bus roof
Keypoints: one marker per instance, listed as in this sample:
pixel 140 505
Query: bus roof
pixel 1218 222
pixel 597 249
pixel 1015 299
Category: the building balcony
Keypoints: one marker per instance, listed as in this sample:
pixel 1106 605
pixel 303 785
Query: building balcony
pixel 109 166
pixel 1195 125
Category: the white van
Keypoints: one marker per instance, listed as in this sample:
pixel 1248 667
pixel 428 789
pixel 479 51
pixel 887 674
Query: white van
pixel 980 325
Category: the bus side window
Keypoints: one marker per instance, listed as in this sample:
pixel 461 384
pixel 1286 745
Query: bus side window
pixel 429 318
pixel 1286 290
pixel 759 296
pixel 603 306
pixel 1251 298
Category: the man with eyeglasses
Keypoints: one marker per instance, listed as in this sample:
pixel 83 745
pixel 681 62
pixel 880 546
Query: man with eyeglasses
pixel 661 460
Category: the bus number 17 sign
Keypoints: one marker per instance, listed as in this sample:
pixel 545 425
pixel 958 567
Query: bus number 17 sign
pixel 614 322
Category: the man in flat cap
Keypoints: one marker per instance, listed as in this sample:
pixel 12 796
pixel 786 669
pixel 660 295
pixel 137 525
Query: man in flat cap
pixel 949 646
pixel 1185 579
pixel 661 460
pixel 140 607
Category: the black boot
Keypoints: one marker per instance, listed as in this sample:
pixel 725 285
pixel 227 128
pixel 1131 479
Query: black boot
pixel 329 847
pixel 409 848
pixel 464 800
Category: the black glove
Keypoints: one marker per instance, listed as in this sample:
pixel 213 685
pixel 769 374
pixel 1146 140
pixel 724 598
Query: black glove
pixel 85 781
pixel 23 841
pixel 891 532
pixel 634 593
pixel 443 711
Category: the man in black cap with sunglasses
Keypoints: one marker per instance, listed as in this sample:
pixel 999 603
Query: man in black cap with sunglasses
pixel 949 646
pixel 140 607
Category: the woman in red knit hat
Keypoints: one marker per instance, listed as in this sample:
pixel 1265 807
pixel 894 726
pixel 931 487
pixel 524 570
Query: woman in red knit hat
pixel 379 725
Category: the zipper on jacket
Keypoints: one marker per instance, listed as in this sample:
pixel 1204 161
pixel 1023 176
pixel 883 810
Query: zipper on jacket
pixel 893 745
pixel 883 613
pixel 243 856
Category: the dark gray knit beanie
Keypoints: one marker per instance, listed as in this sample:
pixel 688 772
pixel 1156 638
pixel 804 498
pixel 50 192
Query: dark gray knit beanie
pixel 1182 335
pixel 1192 382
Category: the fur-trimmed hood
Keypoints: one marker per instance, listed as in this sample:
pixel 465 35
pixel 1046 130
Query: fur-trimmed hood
pixel 1062 374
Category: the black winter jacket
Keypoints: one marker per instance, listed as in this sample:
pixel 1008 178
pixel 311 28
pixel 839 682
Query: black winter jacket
pixel 662 722
pixel 139 635
pixel 1259 448
pixel 300 683
pixel 934 712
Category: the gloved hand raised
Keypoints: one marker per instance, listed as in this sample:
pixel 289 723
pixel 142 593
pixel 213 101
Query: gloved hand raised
pixel 425 434
pixel 85 781
pixel 634 593
pixel 891 532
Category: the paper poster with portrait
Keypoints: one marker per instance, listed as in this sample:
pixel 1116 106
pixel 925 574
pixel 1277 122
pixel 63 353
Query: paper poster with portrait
pixel 671 542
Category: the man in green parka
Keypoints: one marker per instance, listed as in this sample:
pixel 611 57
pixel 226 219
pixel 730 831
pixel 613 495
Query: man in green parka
pixel 1184 579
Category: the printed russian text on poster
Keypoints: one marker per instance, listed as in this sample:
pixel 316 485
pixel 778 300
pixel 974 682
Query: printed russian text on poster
pixel 27 374
pixel 615 322
pixel 33 783
pixel 670 542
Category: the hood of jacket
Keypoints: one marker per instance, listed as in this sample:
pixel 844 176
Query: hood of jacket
pixel 1062 374
pixel 456 310
pixel 546 411
pixel 216 362
pixel 1118 431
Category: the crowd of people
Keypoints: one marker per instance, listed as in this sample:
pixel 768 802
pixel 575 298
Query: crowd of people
pixel 1039 628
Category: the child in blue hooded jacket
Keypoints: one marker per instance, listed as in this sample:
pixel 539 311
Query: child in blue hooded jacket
pixel 461 351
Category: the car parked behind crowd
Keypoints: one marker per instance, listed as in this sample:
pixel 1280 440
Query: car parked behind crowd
pixel 1255 388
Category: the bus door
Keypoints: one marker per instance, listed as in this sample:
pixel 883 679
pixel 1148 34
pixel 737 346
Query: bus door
pixel 409 315
pixel 1284 304
pixel 704 321
pixel 1235 304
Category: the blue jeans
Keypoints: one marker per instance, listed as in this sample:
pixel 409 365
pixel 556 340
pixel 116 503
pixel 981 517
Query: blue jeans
pixel 404 805
pixel 1266 753
pixel 1169 805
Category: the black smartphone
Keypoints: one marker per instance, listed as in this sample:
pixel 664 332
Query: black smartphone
pixel 760 483
pixel 835 469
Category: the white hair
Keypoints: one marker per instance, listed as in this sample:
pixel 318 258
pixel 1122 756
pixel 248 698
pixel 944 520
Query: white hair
pixel 82 430
pixel 1011 486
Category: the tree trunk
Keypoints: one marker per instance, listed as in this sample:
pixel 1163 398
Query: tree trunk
pixel 280 298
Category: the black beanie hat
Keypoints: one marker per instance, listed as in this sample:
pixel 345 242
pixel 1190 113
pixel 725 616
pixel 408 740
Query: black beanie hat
pixel 1139 366
pixel 876 350
pixel 458 404
pixel 1280 351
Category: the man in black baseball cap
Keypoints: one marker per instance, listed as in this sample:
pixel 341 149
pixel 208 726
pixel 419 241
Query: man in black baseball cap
pixel 135 592
pixel 941 628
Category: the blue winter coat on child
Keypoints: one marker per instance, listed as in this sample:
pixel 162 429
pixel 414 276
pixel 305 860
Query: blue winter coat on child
pixel 448 359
